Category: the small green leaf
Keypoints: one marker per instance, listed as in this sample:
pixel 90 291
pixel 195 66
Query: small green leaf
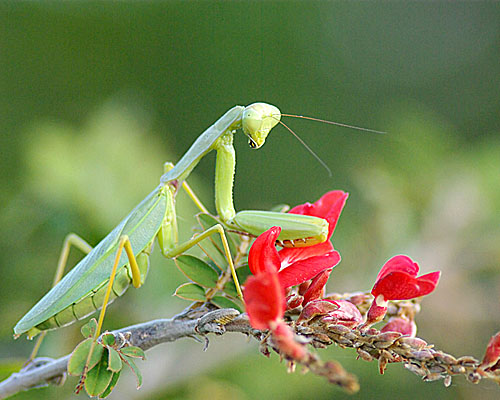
pixel 79 356
pixel 230 289
pixel 98 378
pixel 114 361
pixel 130 362
pixel 197 270
pixel 108 339
pixel 243 273
pixel 88 330
pixel 111 385
pixel 224 302
pixel 132 351
pixel 190 291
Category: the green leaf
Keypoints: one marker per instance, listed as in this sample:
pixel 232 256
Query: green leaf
pixel 114 361
pixel 138 376
pixel 224 302
pixel 132 351
pixel 88 330
pixel 230 289
pixel 243 273
pixel 190 291
pixel 197 270
pixel 111 385
pixel 98 378
pixel 79 356
pixel 108 339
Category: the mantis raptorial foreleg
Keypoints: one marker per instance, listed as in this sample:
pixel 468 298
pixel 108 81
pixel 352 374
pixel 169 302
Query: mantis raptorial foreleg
pixel 72 239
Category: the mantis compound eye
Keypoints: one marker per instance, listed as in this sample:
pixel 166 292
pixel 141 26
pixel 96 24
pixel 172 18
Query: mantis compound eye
pixel 252 144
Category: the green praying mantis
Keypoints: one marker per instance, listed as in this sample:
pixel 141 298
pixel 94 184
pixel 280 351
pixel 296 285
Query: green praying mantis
pixel 105 272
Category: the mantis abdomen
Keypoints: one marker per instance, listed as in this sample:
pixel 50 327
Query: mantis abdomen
pixel 94 299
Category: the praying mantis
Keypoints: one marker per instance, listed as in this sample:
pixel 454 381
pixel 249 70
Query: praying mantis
pixel 105 272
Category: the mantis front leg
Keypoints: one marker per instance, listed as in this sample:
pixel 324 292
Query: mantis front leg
pixel 297 230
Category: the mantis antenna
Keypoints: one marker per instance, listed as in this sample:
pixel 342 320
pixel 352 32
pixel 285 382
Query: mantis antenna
pixel 308 148
pixel 318 158
pixel 359 128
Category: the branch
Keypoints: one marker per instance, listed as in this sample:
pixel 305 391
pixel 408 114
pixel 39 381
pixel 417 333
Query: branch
pixel 43 371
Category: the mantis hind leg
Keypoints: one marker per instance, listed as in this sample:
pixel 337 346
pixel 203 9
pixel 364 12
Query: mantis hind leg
pixel 70 240
pixel 124 243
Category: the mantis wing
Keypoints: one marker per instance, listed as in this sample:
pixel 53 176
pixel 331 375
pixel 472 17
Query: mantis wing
pixel 141 225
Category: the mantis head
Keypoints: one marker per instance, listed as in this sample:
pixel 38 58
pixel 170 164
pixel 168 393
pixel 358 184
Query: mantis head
pixel 258 119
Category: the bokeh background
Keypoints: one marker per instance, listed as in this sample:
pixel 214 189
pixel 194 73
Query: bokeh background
pixel 95 97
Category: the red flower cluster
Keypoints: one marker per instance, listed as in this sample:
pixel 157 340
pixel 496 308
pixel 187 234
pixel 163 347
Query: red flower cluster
pixel 274 272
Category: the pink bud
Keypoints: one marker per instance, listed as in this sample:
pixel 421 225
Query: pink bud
pixel 347 314
pixel 317 307
pixel 377 311
pixel 401 325
pixel 293 301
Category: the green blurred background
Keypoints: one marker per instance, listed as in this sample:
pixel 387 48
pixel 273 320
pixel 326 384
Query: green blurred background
pixel 95 97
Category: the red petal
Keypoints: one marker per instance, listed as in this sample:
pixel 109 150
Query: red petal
pixel 304 270
pixel 399 263
pixel 492 355
pixel 329 207
pixel 263 256
pixel 289 255
pixel 316 289
pixel 401 286
pixel 264 299
pixel 432 277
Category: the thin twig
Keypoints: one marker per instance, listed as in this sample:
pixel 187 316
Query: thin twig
pixel 145 336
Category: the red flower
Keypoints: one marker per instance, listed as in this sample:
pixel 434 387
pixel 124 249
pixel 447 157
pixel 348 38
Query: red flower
pixel 397 281
pixel 298 265
pixel 328 207
pixel 264 293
